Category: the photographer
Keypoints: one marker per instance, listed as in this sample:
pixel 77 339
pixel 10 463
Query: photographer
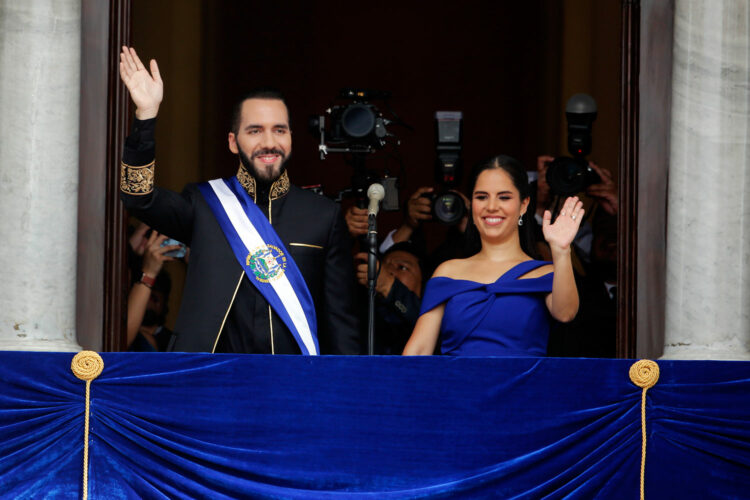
pixel 592 332
pixel 399 291
pixel 603 194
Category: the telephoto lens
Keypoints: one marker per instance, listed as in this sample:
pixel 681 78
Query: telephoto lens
pixel 447 207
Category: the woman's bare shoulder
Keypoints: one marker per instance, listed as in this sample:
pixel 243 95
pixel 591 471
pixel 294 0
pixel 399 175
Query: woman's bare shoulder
pixel 450 269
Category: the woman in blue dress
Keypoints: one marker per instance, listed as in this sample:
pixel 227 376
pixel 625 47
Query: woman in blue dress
pixel 498 301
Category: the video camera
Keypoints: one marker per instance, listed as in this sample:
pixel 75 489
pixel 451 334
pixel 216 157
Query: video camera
pixel 360 129
pixel 357 127
pixel 447 206
pixel 567 176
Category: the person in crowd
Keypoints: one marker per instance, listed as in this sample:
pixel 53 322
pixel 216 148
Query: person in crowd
pixel 603 193
pixel 270 269
pixel 592 332
pixel 398 295
pixel 148 297
pixel 499 300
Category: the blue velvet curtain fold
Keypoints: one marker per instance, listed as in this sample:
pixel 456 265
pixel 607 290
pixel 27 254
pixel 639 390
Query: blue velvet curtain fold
pixel 253 426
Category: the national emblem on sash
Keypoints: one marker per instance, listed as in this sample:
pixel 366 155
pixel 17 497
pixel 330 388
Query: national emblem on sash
pixel 267 263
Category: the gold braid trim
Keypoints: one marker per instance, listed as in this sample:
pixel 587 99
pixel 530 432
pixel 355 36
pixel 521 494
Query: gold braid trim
pixel 279 188
pixel 137 180
pixel 86 365
pixel 247 181
pixel 644 374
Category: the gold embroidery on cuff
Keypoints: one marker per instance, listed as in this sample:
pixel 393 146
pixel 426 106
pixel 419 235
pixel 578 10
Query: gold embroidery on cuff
pixel 137 180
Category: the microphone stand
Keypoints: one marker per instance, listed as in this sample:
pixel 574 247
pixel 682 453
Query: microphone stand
pixel 372 265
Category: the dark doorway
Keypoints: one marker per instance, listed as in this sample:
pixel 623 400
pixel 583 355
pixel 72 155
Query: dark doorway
pixel 509 66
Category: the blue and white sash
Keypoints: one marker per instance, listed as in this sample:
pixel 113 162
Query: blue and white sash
pixel 262 255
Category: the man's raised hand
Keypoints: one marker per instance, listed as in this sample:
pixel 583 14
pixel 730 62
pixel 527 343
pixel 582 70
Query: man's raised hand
pixel 146 89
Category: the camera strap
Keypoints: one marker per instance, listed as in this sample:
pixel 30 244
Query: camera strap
pixel 267 263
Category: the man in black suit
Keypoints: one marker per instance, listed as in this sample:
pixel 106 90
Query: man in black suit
pixel 226 306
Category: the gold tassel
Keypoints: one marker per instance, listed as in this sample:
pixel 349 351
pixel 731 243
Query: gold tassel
pixel 644 374
pixel 86 365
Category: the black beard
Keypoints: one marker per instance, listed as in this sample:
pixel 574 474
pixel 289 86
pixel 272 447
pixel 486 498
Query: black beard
pixel 261 177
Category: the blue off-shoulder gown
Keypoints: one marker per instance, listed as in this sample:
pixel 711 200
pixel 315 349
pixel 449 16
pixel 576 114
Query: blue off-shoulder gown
pixel 506 318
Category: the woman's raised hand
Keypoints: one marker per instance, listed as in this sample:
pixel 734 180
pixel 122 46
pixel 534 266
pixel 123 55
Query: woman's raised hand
pixel 561 233
pixel 146 89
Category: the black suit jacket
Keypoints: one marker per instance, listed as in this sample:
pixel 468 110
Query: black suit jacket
pixel 311 228
pixel 313 231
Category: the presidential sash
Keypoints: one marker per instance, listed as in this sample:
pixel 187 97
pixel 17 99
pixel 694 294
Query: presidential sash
pixel 264 258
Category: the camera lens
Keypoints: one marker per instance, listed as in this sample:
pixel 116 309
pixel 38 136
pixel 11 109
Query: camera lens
pixel 448 208
pixel 567 176
pixel 358 121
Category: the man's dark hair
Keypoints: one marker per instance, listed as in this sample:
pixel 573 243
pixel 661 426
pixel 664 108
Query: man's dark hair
pixel 415 250
pixel 259 93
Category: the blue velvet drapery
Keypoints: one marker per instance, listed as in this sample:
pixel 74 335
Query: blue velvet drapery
pixel 254 426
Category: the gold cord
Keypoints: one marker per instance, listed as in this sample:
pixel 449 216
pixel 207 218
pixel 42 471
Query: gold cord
pixel 86 365
pixel 226 314
pixel 644 374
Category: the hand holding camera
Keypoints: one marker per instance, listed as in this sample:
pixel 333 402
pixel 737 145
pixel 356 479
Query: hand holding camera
pixel 605 192
pixel 419 207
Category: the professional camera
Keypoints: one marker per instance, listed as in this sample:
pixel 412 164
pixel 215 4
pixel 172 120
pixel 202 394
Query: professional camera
pixel 355 127
pixel 358 128
pixel 447 206
pixel 567 176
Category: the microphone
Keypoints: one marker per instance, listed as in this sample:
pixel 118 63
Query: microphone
pixel 375 193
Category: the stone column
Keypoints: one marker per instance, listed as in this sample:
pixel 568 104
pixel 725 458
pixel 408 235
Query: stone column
pixel 708 230
pixel 40 50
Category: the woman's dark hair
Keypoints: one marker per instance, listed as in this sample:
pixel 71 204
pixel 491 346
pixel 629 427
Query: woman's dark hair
pixel 520 179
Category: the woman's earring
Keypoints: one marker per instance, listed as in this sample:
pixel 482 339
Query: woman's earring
pixel 520 220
